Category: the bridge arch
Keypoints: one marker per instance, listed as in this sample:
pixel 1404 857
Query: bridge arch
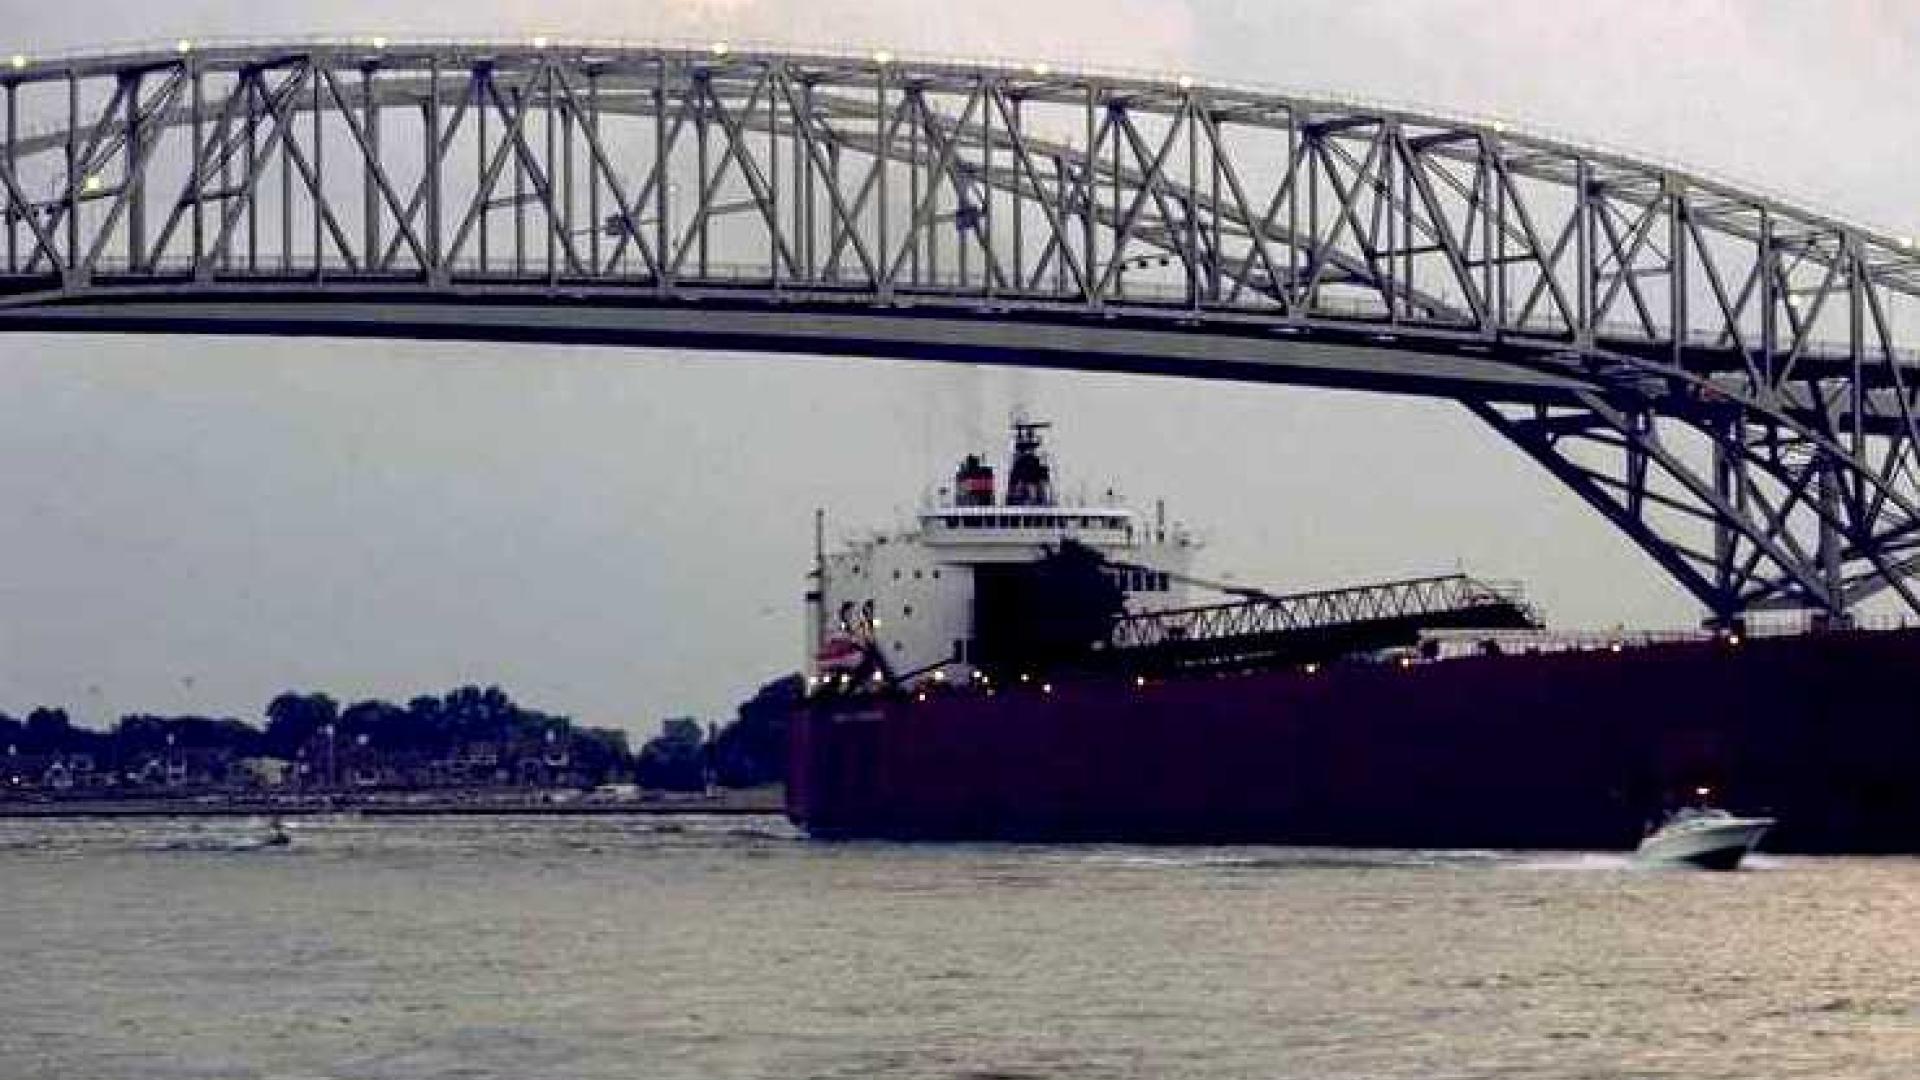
pixel 1718 371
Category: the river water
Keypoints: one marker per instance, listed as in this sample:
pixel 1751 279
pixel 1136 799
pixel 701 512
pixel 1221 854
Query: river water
pixel 538 949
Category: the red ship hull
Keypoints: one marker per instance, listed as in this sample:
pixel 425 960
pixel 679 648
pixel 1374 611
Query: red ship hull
pixel 1570 750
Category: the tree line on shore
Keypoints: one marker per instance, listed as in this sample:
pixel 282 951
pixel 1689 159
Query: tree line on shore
pixel 469 735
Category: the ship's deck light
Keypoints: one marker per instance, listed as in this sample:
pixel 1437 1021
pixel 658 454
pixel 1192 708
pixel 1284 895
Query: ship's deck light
pixel 1313 669
pixel 921 696
pixel 379 43
pixel 540 43
pixel 183 46
pixel 1702 792
pixel 882 57
pixel 1042 70
pixel 877 676
pixel 1185 81
pixel 1046 688
pixel 1614 646
pixel 719 48
pixel 1406 661
pixel 19 61
pixel 92 183
pixel 1024 677
pixel 1139 680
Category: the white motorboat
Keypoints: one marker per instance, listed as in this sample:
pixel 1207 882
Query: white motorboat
pixel 1703 837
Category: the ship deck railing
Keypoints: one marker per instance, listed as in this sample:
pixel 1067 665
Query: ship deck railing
pixel 1460 644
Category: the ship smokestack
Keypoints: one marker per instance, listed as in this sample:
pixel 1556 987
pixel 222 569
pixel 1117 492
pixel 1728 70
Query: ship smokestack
pixel 973 483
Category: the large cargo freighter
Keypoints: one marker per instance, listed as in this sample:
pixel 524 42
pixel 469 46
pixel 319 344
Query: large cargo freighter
pixel 1018 667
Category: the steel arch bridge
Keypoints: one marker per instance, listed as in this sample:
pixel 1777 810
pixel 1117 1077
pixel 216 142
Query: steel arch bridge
pixel 1717 371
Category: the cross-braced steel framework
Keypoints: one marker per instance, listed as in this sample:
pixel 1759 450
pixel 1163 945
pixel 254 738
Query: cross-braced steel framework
pixel 1716 371
pixel 1454 600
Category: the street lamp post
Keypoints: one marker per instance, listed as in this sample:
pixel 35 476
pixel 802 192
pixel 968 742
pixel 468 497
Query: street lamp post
pixel 333 772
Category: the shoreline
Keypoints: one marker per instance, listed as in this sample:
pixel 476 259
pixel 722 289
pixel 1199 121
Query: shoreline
pixel 758 802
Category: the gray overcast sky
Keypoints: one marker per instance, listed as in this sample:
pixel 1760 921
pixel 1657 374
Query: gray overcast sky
pixel 196 524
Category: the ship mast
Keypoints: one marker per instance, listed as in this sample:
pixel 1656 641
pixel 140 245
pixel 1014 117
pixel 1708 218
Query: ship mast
pixel 1029 477
pixel 816 596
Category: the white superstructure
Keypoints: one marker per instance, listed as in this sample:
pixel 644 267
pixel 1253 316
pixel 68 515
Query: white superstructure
pixel 909 595
pixel 1704 837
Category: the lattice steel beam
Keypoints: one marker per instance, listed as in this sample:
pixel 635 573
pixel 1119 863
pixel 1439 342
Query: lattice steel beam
pixel 1719 372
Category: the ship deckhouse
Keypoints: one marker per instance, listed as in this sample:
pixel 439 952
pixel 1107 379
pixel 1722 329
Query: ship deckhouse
pixel 907 598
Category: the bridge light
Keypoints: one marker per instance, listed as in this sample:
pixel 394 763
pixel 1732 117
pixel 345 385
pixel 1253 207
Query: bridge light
pixel 1733 639
pixel 1614 646
pixel 1904 241
pixel 19 61
pixel 1046 688
pixel 379 43
pixel 183 46
pixel 883 58
pixel 540 43
pixel 91 184
pixel 1042 70
pixel 719 48
pixel 1312 669
pixel 939 676
pixel 1186 82
pixel 1702 791
pixel 1499 127
pixel 1140 680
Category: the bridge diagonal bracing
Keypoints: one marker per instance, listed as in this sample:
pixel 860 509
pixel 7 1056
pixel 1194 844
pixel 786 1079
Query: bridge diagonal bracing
pixel 1721 373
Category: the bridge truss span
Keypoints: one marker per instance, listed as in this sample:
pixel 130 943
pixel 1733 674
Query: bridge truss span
pixel 1718 372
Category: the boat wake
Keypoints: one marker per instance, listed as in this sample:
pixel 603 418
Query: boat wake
pixel 1300 859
